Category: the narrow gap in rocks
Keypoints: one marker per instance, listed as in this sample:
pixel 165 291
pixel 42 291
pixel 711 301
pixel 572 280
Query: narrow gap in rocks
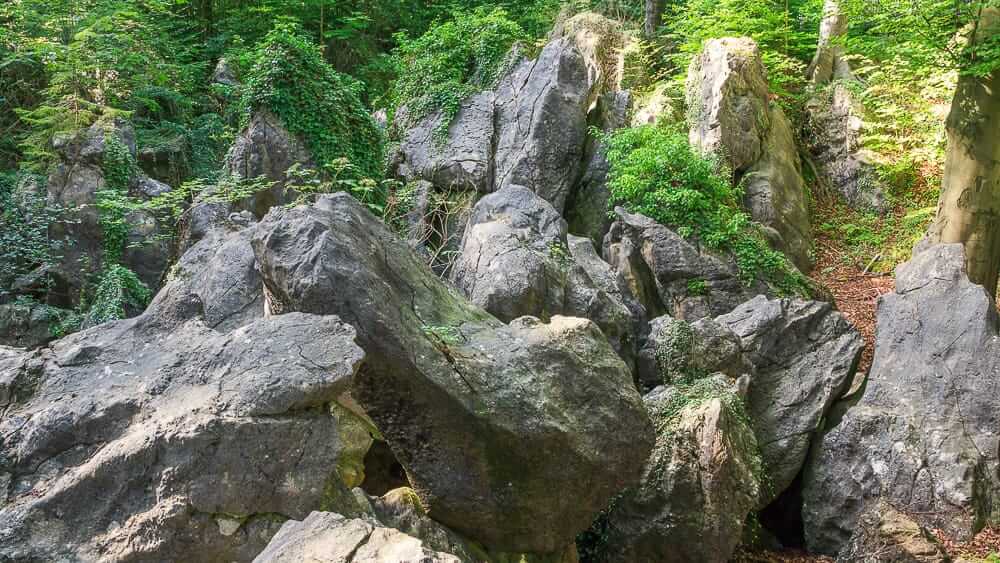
pixel 383 472
pixel 783 517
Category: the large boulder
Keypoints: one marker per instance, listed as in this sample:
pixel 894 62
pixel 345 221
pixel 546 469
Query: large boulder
pixel 923 436
pixel 327 537
pixel 159 439
pixel 515 261
pixel 676 352
pixel 670 274
pixel 74 185
pixel 542 106
pixel 220 270
pixel 699 485
pixel 466 403
pixel 731 116
pixel 804 355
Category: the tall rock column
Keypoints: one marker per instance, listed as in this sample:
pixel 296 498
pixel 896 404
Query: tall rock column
pixel 731 116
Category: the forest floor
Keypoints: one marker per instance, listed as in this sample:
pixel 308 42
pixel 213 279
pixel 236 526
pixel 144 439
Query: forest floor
pixel 854 290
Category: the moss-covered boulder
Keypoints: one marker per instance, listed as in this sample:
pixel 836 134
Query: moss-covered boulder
pixel 701 482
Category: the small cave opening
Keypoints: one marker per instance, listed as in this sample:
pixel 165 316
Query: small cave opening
pixel 783 517
pixel 383 472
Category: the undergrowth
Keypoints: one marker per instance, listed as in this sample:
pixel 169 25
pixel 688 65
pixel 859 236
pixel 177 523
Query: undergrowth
pixel 655 172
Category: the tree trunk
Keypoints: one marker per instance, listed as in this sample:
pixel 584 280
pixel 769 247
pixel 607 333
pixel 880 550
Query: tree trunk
pixel 654 15
pixel 969 208
pixel 829 62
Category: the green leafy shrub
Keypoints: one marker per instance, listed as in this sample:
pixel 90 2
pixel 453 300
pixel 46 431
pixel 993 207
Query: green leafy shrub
pixel 655 172
pixel 118 293
pixel 451 61
pixel 290 78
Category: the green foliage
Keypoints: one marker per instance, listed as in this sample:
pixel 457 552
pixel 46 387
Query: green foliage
pixel 340 176
pixel 655 172
pixel 786 31
pixel 118 293
pixel 113 202
pixel 453 60
pixel 290 78
pixel 697 287
pixel 24 229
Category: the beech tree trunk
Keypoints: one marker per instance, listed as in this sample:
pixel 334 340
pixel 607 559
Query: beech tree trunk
pixel 654 15
pixel 969 208
pixel 829 62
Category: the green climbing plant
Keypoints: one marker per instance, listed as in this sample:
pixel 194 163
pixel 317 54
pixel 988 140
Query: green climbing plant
pixel 451 61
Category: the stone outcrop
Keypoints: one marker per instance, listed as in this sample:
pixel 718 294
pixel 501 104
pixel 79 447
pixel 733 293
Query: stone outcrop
pixel 669 274
pixel 699 485
pixel 25 325
pixel 923 435
pixel 515 261
pixel 530 130
pixel 220 270
pixel 731 116
pixel 466 402
pixel 73 185
pixel 159 439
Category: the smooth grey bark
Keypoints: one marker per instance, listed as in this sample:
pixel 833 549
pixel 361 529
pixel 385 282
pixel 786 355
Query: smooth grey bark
pixel 829 62
pixel 653 15
pixel 969 207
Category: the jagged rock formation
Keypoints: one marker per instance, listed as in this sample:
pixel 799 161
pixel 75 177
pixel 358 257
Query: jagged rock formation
pixel 74 185
pixel 669 274
pixel 804 355
pixel 834 118
pixel 833 136
pixel 221 271
pixel 466 403
pixel 923 435
pixel 515 261
pixel 530 130
pixel 730 115
pixel 698 487
pixel 796 359
pixel 158 438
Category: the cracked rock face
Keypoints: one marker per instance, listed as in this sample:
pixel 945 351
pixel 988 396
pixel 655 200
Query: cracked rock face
pixel 804 355
pixel 158 438
pixel 834 137
pixel 266 148
pixel 516 261
pixel 923 437
pixel 467 403
pixel 530 130
pixel 733 118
